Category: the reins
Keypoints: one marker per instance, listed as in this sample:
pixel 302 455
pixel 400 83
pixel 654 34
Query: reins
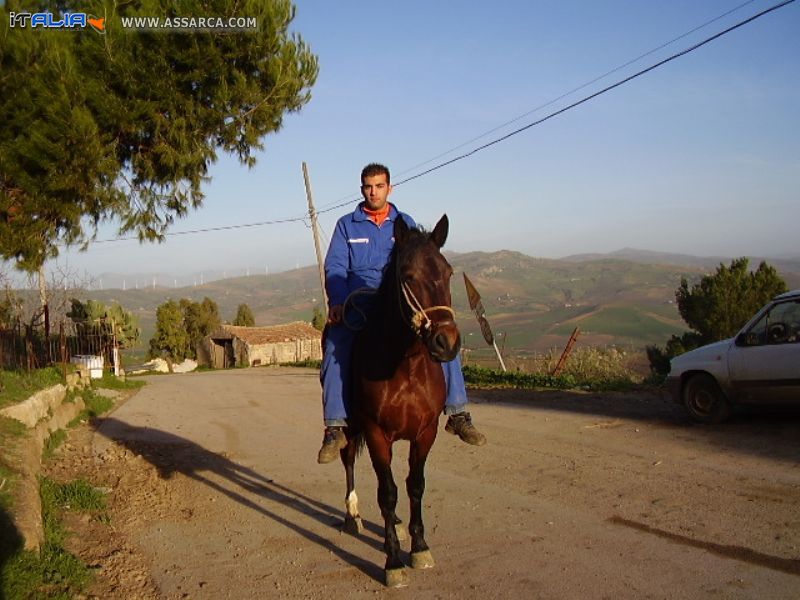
pixel 419 317
pixel 350 300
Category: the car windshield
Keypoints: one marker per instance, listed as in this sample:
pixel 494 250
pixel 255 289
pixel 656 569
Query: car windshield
pixel 780 325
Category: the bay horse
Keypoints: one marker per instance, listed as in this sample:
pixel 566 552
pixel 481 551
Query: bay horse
pixel 398 383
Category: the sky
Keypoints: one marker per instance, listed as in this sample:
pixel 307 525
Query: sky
pixel 700 156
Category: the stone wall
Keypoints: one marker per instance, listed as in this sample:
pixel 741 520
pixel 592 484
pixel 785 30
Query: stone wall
pixel 43 413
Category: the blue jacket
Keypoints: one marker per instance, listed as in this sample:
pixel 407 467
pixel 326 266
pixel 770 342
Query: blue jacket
pixel 359 253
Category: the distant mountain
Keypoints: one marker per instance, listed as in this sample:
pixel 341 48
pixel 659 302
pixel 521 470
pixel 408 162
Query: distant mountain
pixel 624 298
pixel 788 266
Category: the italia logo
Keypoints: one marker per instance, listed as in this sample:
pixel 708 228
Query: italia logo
pixel 48 20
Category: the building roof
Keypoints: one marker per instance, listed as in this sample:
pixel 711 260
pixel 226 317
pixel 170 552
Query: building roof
pixel 286 332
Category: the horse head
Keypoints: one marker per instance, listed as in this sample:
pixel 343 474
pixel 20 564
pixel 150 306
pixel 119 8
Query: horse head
pixel 423 282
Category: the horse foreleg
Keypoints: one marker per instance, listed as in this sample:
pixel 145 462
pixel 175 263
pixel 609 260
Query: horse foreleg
pixel 421 557
pixel 380 451
pixel 352 520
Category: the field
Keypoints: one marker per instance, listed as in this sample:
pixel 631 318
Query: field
pixel 532 304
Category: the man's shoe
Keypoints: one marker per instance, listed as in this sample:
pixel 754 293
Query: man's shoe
pixel 332 443
pixel 461 425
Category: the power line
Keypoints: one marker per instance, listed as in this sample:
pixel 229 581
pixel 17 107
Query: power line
pixel 581 101
pixel 580 87
pixel 350 198
pixel 521 129
pixel 596 94
pixel 210 229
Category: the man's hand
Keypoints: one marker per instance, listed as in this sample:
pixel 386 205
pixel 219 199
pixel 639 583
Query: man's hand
pixel 335 314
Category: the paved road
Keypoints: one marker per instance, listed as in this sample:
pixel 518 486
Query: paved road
pixel 575 496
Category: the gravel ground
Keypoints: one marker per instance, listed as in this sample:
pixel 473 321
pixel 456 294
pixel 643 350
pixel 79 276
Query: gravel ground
pixel 215 493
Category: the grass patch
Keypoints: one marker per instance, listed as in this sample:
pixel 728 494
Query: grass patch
pixel 112 382
pixel 587 368
pixel 96 405
pixel 10 428
pixel 19 385
pixel 54 572
pixel 309 363
pixel 53 442
pixel 78 495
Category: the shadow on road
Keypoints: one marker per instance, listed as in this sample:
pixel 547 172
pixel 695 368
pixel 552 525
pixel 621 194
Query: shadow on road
pixel 770 432
pixel 171 454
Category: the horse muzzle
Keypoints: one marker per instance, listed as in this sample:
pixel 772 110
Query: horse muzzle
pixel 444 342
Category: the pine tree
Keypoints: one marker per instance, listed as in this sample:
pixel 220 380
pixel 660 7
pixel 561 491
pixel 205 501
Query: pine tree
pixel 171 340
pixel 199 320
pixel 125 125
pixel 244 316
pixel 717 307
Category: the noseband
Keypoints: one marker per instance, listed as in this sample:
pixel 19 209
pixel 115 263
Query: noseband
pixel 420 321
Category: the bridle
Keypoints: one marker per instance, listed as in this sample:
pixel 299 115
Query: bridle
pixel 420 322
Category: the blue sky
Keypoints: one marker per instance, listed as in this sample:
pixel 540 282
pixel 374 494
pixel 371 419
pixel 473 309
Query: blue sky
pixel 701 156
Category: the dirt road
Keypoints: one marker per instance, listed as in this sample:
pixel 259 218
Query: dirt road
pixel 215 493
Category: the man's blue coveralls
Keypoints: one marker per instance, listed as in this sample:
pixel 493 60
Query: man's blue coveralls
pixel 357 257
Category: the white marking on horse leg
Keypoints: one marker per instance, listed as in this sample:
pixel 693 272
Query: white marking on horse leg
pixel 352 504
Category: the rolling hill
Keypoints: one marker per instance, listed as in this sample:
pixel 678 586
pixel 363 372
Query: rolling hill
pixel 533 304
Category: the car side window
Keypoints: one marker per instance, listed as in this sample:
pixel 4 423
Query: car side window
pixel 781 325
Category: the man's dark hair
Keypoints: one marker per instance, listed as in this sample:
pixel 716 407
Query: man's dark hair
pixel 373 169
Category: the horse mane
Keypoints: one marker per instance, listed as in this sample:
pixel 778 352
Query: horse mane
pixel 417 237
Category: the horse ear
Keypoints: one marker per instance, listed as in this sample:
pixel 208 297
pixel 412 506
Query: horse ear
pixel 439 235
pixel 400 230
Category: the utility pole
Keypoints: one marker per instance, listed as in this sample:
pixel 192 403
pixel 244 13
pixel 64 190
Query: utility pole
pixel 45 307
pixel 312 213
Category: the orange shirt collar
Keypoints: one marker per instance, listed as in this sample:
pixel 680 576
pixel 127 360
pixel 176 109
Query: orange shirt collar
pixel 377 216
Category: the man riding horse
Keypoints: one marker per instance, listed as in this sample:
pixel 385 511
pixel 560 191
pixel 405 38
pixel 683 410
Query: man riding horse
pixel 359 252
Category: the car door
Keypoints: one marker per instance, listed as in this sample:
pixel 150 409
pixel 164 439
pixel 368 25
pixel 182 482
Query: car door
pixel 764 363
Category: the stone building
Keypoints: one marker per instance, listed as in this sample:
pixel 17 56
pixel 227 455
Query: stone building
pixel 231 346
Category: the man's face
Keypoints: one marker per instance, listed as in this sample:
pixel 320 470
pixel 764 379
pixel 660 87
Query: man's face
pixel 375 190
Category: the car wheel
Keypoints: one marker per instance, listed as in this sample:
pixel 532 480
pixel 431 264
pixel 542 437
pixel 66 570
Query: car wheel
pixel 704 401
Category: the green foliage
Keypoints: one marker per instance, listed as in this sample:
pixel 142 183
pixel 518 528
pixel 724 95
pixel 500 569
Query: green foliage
pixel 659 358
pixel 171 340
pixel 125 125
pixel 93 315
pixel 717 308
pixel 96 405
pixel 318 319
pixel 180 327
pixel 199 320
pixel 483 377
pixel 16 386
pixel 307 363
pixel 244 316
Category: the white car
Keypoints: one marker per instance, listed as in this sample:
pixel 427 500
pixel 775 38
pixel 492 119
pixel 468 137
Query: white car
pixel 760 365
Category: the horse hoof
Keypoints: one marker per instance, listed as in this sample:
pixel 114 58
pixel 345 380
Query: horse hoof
pixel 396 578
pixel 422 560
pixel 353 526
pixel 400 532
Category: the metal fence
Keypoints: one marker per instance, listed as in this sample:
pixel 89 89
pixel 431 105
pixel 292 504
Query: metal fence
pixel 26 347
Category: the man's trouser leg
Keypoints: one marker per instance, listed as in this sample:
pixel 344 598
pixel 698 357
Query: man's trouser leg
pixel 335 374
pixel 456 401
